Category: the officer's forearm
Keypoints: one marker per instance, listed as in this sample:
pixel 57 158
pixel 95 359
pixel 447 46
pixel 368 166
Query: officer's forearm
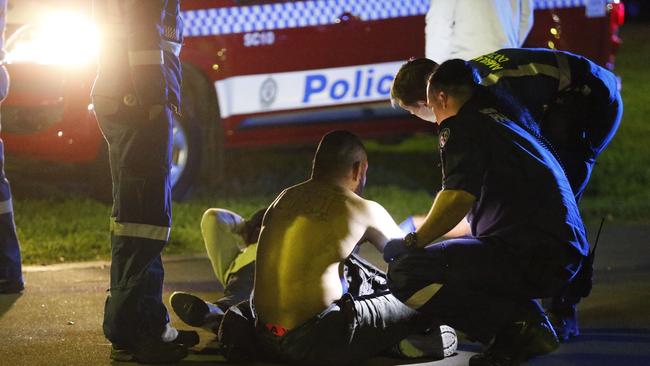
pixel 449 207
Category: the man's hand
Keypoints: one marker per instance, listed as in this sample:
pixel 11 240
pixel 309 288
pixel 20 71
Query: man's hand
pixel 394 249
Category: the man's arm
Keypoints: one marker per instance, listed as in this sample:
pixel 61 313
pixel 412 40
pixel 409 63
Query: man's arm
pixel 381 227
pixel 449 208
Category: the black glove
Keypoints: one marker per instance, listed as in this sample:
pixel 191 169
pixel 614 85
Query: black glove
pixel 394 249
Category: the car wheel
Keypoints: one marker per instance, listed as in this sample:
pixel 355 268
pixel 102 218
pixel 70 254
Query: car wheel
pixel 186 156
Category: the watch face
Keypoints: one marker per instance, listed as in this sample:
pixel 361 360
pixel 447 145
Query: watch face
pixel 410 239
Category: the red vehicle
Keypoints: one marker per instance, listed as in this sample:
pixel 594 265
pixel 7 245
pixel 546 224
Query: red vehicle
pixel 255 73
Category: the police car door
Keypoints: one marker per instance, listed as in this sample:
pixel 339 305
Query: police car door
pixel 292 61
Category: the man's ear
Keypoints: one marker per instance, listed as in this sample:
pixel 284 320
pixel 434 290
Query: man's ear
pixel 356 170
pixel 443 98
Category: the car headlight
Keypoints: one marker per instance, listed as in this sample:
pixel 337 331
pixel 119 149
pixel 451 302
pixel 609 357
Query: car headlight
pixel 61 39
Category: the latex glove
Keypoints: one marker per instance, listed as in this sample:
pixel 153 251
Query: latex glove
pixel 394 249
pixel 408 225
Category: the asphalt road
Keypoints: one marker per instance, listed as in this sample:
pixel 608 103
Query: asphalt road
pixel 57 319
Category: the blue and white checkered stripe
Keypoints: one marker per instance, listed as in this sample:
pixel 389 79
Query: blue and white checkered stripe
pixel 555 4
pixel 300 14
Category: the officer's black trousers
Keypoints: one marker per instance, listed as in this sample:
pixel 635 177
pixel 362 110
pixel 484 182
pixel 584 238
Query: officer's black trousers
pixel 140 155
pixel 484 283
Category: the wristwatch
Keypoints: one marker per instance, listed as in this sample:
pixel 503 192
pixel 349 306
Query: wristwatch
pixel 411 240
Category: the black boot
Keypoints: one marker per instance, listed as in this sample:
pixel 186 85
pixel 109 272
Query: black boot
pixel 518 342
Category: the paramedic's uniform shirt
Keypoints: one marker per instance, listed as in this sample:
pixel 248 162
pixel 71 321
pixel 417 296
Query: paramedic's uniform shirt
pixel 514 70
pixel 523 197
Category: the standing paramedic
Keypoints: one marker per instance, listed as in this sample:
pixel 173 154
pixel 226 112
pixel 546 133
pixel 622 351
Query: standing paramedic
pixel 526 239
pixel 135 95
pixel 570 101
pixel 11 278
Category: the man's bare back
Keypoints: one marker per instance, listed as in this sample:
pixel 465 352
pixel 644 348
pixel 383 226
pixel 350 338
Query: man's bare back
pixel 308 231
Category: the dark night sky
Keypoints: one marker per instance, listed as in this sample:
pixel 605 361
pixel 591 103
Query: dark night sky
pixel 637 10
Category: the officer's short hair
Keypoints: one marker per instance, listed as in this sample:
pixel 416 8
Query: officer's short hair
pixel 336 153
pixel 454 77
pixel 410 83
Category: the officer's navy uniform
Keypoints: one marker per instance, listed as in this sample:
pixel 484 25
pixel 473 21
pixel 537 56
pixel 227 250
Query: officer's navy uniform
pixel 11 279
pixel 575 106
pixel 572 102
pixel 135 95
pixel 527 241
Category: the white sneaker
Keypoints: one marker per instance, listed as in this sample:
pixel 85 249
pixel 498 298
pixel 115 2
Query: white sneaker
pixel 431 345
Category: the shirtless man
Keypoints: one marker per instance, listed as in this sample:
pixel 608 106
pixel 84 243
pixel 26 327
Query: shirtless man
pixel 304 312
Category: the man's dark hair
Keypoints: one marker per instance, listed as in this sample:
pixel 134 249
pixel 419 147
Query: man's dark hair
pixel 410 84
pixel 252 227
pixel 454 77
pixel 336 153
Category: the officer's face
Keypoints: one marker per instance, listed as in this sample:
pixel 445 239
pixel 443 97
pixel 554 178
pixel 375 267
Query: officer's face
pixel 420 110
pixel 437 101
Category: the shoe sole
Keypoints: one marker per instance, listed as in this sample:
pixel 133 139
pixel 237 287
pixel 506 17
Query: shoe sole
pixel 425 346
pixel 189 308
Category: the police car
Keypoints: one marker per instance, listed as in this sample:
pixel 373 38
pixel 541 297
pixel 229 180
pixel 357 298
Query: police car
pixel 256 73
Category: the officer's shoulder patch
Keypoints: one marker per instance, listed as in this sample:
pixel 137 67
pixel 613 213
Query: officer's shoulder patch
pixel 443 137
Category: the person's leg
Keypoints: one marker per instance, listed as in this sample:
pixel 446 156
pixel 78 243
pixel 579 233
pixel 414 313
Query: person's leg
pixel 604 120
pixel 476 286
pixel 365 322
pixel 135 318
pixel 456 281
pixel 234 266
pixel 223 242
pixel 11 279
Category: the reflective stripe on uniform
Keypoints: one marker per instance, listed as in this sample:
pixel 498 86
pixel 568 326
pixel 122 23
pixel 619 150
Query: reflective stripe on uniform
pixel 6 207
pixel 564 71
pixel 530 69
pixel 172 47
pixel 148 57
pixel 140 230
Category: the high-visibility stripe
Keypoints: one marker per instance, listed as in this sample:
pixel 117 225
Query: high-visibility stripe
pixel 6 207
pixel 145 231
pixel 173 47
pixel 530 69
pixel 148 57
pixel 564 71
